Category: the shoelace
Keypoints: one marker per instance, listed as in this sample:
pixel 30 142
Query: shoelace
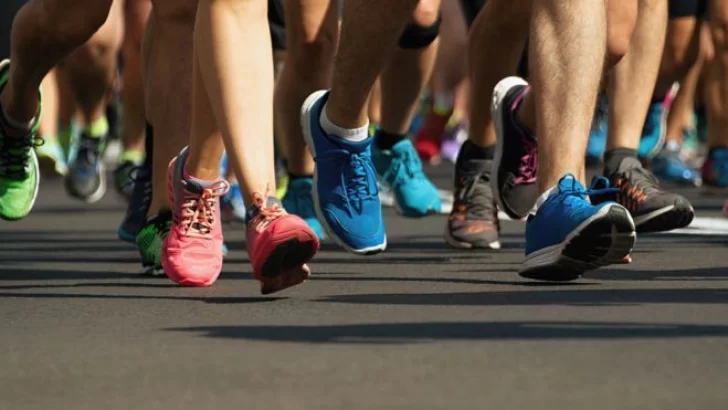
pixel 635 185
pixel 405 168
pixel 358 177
pixel 198 213
pixel 266 214
pixel 528 163
pixel 472 201
pixel 14 155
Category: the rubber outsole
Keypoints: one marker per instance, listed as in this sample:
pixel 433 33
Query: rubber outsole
pixel 604 240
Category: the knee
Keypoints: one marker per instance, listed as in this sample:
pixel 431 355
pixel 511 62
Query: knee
pixel 719 33
pixel 424 27
pixel 135 22
pixel 621 22
pixel 311 52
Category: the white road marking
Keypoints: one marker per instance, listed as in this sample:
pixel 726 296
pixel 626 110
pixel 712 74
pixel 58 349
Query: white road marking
pixel 701 226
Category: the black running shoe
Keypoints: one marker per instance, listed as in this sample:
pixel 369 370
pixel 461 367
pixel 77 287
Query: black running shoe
pixel 516 154
pixel 652 209
pixel 473 221
pixel 86 178
pixel 136 211
pixel 123 179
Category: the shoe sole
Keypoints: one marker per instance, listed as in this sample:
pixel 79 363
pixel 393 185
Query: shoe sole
pixel 496 111
pixel 33 158
pixel 457 244
pixel 308 137
pixel 607 238
pixel 665 219
pixel 285 265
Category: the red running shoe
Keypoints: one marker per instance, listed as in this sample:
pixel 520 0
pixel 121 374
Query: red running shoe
pixel 192 252
pixel 279 245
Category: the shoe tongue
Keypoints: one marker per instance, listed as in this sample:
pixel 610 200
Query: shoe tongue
pixel 629 163
pixel 253 209
pixel 569 183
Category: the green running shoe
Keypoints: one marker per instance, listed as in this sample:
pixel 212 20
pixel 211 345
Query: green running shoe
pixel 19 171
pixel 149 242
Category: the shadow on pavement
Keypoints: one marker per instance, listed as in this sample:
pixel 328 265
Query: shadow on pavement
pixel 400 333
pixel 81 296
pixel 590 297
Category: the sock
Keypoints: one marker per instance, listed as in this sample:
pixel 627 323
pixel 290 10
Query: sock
pixel 348 134
pixel 149 147
pixel 613 157
pixel 443 103
pixel 470 150
pixel 386 140
pixel 133 156
pixel 201 182
pixel 97 129
pixel 293 177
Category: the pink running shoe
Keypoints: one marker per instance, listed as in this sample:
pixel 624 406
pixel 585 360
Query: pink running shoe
pixel 279 245
pixel 192 252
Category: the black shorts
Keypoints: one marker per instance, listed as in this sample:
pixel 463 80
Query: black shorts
pixel 687 8
pixel 8 8
pixel 471 8
pixel 277 24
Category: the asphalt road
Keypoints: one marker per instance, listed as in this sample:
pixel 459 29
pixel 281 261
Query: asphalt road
pixel 419 327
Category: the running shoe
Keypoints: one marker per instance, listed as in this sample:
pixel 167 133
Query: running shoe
pixel 279 245
pixel 400 170
pixel 86 178
pixel 473 221
pixel 452 140
pixel 149 242
pixel 428 138
pixel 19 170
pixel 516 153
pixel 138 207
pixel 51 159
pixel 345 192
pixel 653 132
pixel 598 134
pixel 715 168
pixel 669 165
pixel 298 200
pixel 637 189
pixel 192 252
pixel 123 181
pixel 568 235
pixel 232 205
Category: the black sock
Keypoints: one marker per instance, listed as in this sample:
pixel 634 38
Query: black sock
pixel 386 140
pixel 293 177
pixel 613 157
pixel 148 147
pixel 470 151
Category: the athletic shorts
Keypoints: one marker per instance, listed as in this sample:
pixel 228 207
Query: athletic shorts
pixel 471 8
pixel 687 8
pixel 277 25
pixel 8 8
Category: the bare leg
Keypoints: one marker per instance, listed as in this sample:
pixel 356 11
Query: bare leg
pixel 167 72
pixel 407 73
pixel 716 80
pixel 365 49
pixel 312 32
pixel 632 80
pixel 136 15
pixel 224 75
pixel 44 32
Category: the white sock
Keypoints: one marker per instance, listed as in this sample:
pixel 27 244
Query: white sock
pixel 349 134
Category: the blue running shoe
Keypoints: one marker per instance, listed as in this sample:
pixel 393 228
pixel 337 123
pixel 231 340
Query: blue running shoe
pixel 298 200
pixel 653 133
pixel 345 192
pixel 598 135
pixel 401 171
pixel 669 166
pixel 568 236
pixel 715 168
